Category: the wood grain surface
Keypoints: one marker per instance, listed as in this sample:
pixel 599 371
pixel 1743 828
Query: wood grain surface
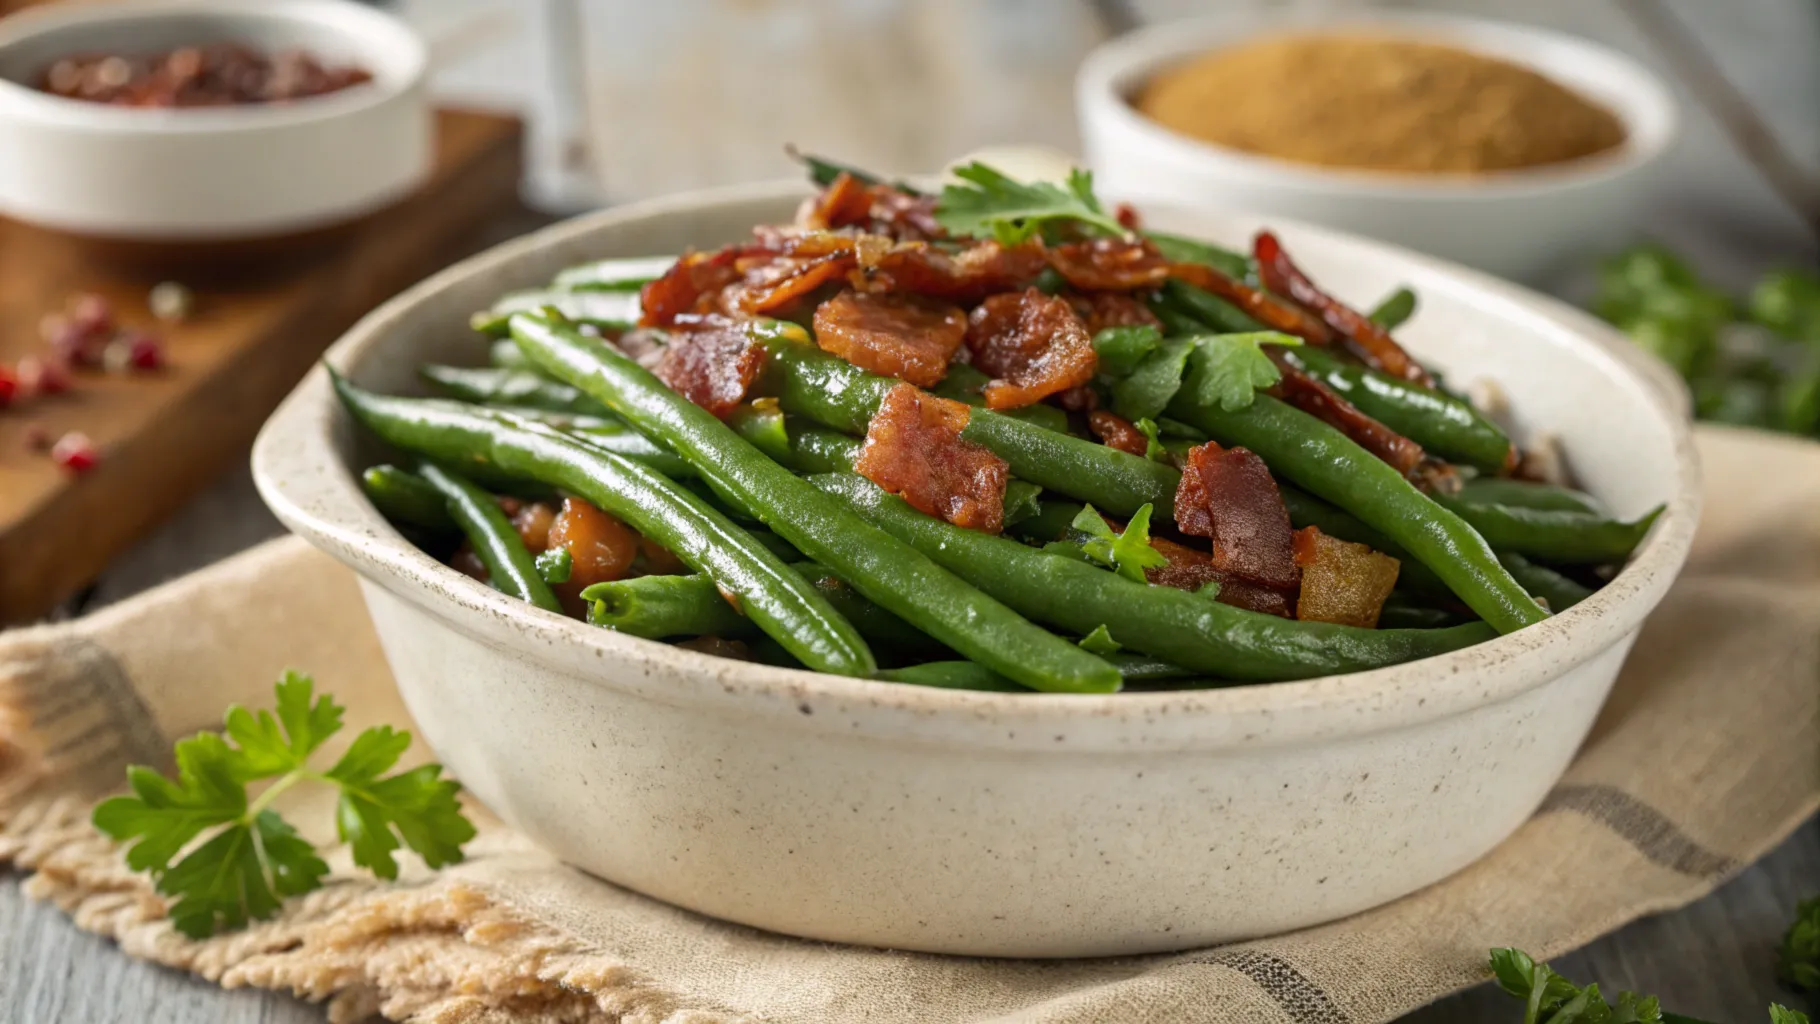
pixel 163 435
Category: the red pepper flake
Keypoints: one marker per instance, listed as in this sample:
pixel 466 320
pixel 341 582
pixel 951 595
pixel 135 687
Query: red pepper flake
pixel 1370 342
pixel 1032 344
pixel 1342 581
pixel 914 449
pixel 692 285
pixel 1110 264
pixel 143 351
pixel 711 361
pixel 1128 217
pixel 40 375
pixel 1100 310
pixel 75 452
pixel 1228 496
pixel 1191 569
pixel 1274 313
pixel 1115 431
pixel 902 336
pixel 1315 398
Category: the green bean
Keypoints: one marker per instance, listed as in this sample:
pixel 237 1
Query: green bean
pixel 967 384
pixel 1560 592
pixel 615 275
pixel 505 355
pixel 1525 494
pixel 510 566
pixel 1141 668
pixel 1175 323
pixel 661 607
pixel 604 311
pixel 1219 316
pixel 1179 627
pixel 1395 310
pixel 783 604
pixel 810 383
pixel 490 386
pixel 1552 535
pixel 1323 461
pixel 404 497
pixel 1444 425
pixel 953 675
pixel 1403 610
pixel 884 570
pixel 1180 249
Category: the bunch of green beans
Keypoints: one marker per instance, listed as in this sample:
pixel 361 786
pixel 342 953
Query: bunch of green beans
pixel 809 564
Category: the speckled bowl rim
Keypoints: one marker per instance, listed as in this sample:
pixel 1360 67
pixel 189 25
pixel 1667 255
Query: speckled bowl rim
pixel 296 466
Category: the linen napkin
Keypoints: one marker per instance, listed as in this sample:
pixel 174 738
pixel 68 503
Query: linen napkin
pixel 1704 758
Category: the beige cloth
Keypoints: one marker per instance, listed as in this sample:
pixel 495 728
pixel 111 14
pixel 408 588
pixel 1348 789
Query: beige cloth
pixel 1702 761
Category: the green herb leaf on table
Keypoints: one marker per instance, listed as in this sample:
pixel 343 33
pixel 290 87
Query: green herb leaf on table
pixel 250 859
pixel 1127 553
pixel 1100 641
pixel 1799 953
pixel 989 204
pixel 1228 370
pixel 1549 998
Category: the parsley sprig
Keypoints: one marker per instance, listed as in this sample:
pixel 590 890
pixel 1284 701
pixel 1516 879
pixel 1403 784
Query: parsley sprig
pixel 1549 998
pixel 1127 552
pixel 987 203
pixel 1800 949
pixel 251 859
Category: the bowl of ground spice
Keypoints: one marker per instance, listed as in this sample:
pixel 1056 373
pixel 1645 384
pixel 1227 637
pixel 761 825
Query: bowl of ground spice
pixel 1509 148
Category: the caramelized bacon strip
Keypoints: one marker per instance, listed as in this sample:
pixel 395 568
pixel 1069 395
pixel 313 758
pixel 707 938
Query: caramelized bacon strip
pixel 692 285
pixel 1263 307
pixel 902 336
pixel 1190 569
pixel 1342 582
pixel 1316 399
pixel 845 202
pixel 1228 496
pixel 874 209
pixel 1100 310
pixel 710 361
pixel 1110 264
pixel 1032 344
pixel 966 277
pixel 914 450
pixel 775 286
pixel 1115 431
pixel 1364 338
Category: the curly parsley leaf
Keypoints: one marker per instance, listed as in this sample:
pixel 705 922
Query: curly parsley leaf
pixel 242 859
pixel 1127 553
pixel 1228 370
pixel 989 204
pixel 1153 444
pixel 1800 951
pixel 1549 998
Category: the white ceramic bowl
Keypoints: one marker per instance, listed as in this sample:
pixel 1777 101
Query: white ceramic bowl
pixel 994 824
pixel 1526 225
pixel 216 173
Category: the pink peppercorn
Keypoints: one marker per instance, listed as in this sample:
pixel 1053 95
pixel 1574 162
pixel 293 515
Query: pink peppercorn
pixel 75 452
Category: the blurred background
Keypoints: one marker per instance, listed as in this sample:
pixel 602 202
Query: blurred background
pixel 627 99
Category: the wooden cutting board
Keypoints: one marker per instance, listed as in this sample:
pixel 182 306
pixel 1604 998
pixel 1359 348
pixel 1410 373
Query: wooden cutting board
pixel 163 435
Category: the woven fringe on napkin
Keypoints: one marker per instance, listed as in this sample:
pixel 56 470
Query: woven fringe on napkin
pixel 1703 760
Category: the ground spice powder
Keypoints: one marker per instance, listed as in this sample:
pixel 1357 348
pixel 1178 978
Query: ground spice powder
pixel 1379 104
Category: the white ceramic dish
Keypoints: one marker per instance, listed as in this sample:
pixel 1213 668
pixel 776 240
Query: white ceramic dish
pixel 219 173
pixel 1026 825
pixel 1524 225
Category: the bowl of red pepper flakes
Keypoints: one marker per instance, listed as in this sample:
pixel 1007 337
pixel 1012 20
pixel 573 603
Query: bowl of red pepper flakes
pixel 188 124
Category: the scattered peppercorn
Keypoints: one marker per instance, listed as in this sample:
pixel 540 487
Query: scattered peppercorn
pixel 171 302
pixel 75 452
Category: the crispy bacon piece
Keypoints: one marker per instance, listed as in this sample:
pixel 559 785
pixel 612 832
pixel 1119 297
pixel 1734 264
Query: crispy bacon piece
pixel 903 336
pixel 1115 431
pixel 692 285
pixel 874 209
pixel 1263 307
pixel 1371 343
pixel 1110 264
pixel 1228 496
pixel 966 277
pixel 1100 310
pixel 600 547
pixel 1082 399
pixel 777 285
pixel 1327 405
pixel 1191 568
pixel 1032 344
pixel 845 202
pixel 914 450
pixel 1342 582
pixel 711 362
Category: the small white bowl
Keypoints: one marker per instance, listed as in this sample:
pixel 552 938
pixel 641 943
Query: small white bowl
pixel 213 174
pixel 991 824
pixel 1526 225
